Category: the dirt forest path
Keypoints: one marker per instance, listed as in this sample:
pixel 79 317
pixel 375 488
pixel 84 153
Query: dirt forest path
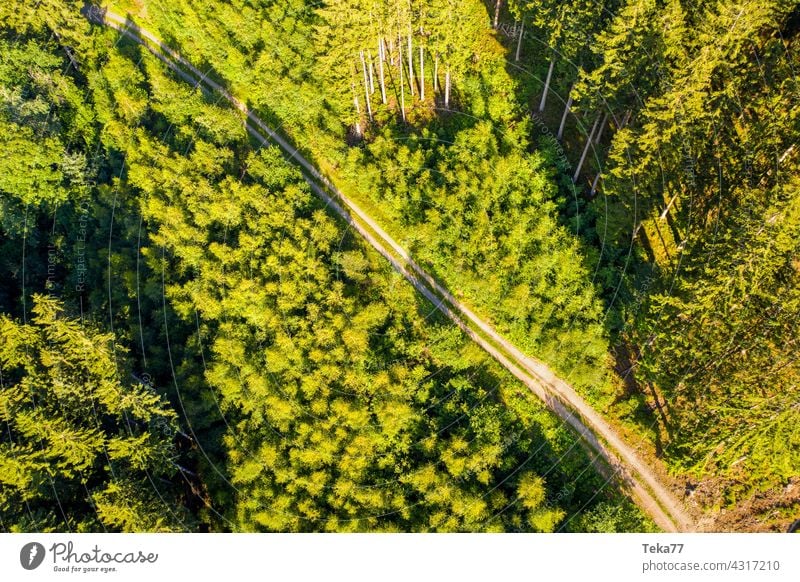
pixel 609 453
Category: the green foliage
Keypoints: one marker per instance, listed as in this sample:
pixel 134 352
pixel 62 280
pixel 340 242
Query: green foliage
pixel 480 212
pixel 612 518
pixel 323 379
pixel 45 127
pixel 334 400
pixel 724 345
pixel 345 406
pixel 76 437
pixel 704 176
pixel 483 219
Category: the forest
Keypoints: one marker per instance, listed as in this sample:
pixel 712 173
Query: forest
pixel 192 340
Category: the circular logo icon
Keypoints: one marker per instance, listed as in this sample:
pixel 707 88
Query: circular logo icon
pixel 31 555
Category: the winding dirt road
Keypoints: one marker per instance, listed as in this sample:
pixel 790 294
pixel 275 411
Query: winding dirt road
pixel 637 478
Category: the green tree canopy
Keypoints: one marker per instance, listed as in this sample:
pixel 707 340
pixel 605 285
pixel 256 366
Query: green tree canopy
pixel 81 449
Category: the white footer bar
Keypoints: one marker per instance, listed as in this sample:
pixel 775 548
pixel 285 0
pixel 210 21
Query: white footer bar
pixel 388 557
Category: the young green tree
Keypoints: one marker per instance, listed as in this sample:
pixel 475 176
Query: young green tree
pixel 82 449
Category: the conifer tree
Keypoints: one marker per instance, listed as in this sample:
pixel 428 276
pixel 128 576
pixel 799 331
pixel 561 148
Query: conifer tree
pixel 82 449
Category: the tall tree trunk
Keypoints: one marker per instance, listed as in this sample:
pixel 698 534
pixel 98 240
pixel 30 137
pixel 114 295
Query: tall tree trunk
pixel 786 153
pixel 435 74
pixel 421 72
pixel 547 82
pixel 371 69
pixel 366 85
pixel 447 88
pixel 381 58
pixel 519 40
pixel 627 119
pixel 402 87
pixel 594 184
pixel 566 113
pixel 585 150
pixel 497 4
pixel 666 210
pixel 410 62
pixel 391 52
pixel 358 109
pixel 601 128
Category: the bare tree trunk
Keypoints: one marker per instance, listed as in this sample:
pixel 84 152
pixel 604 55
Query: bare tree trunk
pixel 627 119
pixel 602 127
pixel 497 4
pixel 786 153
pixel 381 58
pixel 547 82
pixel 666 210
pixel 410 62
pixel 447 88
pixel 371 69
pixel 421 73
pixel 585 150
pixel 358 110
pixel 594 184
pixel 366 85
pixel 435 74
pixel 391 52
pixel 519 40
pixel 566 113
pixel 402 88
